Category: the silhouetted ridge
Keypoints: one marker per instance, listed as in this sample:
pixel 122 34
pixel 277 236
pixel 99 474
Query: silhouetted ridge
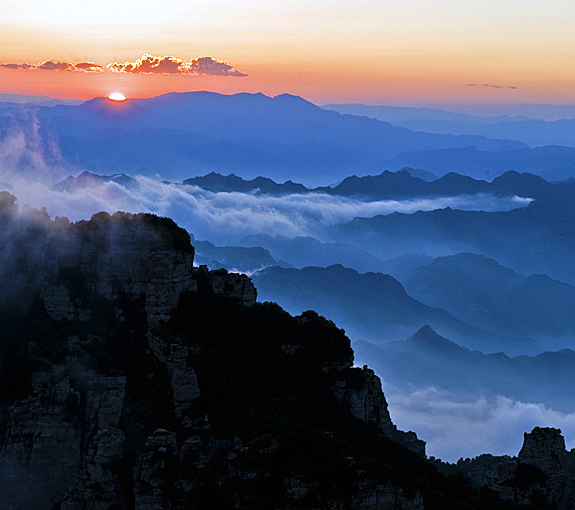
pixel 247 134
pixel 372 306
pixel 217 182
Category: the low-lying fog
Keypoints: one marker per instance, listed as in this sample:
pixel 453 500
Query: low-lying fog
pixel 227 217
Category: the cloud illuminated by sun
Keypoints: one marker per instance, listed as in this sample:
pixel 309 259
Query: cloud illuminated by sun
pixel 117 96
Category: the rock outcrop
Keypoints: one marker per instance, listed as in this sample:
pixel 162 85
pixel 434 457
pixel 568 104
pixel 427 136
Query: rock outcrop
pixel 131 380
pixel 541 476
pixel 360 390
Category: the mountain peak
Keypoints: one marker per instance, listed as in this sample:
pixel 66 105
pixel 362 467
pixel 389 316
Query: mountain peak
pixel 427 338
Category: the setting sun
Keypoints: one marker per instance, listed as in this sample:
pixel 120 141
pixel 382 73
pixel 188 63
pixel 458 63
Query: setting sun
pixel 117 96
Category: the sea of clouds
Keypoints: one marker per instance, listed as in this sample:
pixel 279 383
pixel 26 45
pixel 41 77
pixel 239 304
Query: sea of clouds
pixel 225 217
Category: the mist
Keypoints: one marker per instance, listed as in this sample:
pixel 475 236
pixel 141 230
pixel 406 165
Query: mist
pixel 227 217
pixel 455 429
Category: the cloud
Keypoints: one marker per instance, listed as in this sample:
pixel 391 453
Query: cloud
pixel 456 429
pixel 228 217
pixel 27 153
pixel 146 64
pixel 52 65
pixel 150 64
pixel 489 85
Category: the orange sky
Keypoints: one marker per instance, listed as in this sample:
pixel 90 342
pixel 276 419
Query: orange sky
pixel 414 52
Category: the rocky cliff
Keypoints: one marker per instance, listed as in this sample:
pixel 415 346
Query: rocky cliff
pixel 541 476
pixel 131 380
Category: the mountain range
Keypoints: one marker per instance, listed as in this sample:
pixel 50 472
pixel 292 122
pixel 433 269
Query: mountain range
pixel 482 292
pixel 534 132
pixel 537 239
pixel 551 162
pixel 372 306
pixel 184 134
pixel 427 359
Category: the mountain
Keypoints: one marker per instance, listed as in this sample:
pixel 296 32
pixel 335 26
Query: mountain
pixel 537 239
pixel 416 117
pixel 131 379
pixel 232 183
pixel 490 296
pixel 372 306
pixel 400 267
pixel 540 475
pixel 16 99
pixel 482 164
pixel 401 184
pixel 90 180
pixel 534 132
pixel 236 258
pixel 182 134
pixel 420 173
pixel 301 251
pixel 427 359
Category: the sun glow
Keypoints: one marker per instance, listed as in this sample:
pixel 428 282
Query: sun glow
pixel 117 96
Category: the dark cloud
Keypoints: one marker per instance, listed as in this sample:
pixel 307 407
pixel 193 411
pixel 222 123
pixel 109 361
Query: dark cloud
pixel 146 64
pixel 492 86
pixel 52 65
pixel 17 66
pixel 150 64
pixel 87 67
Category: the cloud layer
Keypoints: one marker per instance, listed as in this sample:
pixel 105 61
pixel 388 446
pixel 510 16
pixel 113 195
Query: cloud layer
pixel 228 217
pixel 492 86
pixel 150 64
pixel 146 64
pixel 52 65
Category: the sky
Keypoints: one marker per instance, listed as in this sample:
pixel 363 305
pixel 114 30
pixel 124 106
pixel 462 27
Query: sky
pixel 371 51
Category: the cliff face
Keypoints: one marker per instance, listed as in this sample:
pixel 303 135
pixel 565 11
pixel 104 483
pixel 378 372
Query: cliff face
pixel 361 392
pixel 131 380
pixel 118 362
pixel 541 476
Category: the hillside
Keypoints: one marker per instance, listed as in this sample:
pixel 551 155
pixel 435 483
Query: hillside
pixel 372 306
pixel 132 380
pixel 427 359
pixel 479 290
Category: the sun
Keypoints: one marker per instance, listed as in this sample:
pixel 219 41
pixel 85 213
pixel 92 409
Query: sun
pixel 117 96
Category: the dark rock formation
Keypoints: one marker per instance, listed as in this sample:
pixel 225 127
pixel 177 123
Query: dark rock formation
pixel 361 392
pixel 131 380
pixel 541 476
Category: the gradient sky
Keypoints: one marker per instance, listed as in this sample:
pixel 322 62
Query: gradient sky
pixel 379 52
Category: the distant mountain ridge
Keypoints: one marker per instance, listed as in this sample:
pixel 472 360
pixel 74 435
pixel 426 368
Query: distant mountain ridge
pixel 372 306
pixel 179 134
pixel 428 359
pixel 532 131
pixel 404 183
pixel 401 184
pixel 482 292
pixel 217 182
pixel 481 164
pixel 536 239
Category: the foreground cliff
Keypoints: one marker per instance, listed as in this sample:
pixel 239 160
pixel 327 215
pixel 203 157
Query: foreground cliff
pixel 542 475
pixel 132 380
